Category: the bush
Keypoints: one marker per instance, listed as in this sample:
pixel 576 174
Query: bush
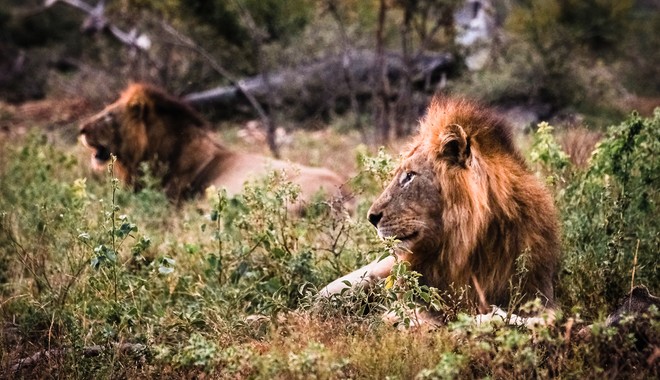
pixel 563 53
pixel 611 236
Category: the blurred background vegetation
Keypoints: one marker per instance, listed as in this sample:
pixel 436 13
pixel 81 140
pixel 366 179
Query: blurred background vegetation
pixel 588 61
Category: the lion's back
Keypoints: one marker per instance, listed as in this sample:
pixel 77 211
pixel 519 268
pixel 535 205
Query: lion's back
pixel 243 167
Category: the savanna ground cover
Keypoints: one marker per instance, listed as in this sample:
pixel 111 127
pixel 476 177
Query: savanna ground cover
pixel 98 281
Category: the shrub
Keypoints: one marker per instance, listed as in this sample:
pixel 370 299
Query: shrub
pixel 561 53
pixel 611 237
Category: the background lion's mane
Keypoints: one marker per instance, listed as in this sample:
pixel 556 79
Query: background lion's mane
pixel 172 127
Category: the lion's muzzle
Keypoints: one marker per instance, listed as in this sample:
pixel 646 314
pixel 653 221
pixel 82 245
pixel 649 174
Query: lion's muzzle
pixel 101 153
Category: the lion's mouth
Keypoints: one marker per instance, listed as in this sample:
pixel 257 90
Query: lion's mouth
pixel 407 237
pixel 102 153
pixel 399 237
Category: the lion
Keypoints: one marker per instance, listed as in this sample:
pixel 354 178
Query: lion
pixel 467 213
pixel 146 125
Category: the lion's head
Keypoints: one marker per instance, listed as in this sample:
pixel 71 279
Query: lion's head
pixel 465 208
pixel 147 126
pixel 142 125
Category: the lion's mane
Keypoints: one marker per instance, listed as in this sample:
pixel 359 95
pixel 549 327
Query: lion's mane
pixel 147 125
pixel 468 211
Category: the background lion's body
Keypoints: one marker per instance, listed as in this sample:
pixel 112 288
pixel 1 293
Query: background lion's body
pixel 153 127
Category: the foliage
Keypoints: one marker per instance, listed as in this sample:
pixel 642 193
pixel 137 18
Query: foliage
pixel 570 55
pixel 228 288
pixel 597 24
pixel 278 19
pixel 637 71
pixel 547 152
pixel 611 237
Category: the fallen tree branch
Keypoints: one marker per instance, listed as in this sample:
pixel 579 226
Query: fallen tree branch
pixel 318 82
pixel 96 22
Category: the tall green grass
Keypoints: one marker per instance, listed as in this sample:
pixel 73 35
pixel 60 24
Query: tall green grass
pixel 98 281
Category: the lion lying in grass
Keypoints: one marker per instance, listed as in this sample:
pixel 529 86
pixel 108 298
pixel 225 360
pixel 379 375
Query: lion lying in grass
pixel 465 208
pixel 145 125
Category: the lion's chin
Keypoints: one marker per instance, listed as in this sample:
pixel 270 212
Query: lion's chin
pixel 97 164
pixel 405 240
pixel 101 153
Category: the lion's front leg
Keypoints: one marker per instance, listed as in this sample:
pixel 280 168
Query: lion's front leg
pixel 365 276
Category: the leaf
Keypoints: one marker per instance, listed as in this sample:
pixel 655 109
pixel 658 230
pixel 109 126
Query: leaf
pixel 125 229
pixel 95 262
pixel 389 282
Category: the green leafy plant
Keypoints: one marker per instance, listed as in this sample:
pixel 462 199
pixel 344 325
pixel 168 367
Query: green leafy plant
pixel 609 231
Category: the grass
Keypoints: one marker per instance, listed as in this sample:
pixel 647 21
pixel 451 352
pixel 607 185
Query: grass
pixel 97 281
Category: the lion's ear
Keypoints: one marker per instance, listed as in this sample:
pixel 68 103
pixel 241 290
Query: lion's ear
pixel 138 109
pixel 455 145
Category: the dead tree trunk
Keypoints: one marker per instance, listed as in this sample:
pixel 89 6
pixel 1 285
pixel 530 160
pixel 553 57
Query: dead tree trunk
pixel 382 114
pixel 346 67
pixel 308 90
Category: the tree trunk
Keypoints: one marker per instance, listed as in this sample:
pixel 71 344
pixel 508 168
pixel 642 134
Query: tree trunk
pixel 404 102
pixel 307 91
pixel 382 114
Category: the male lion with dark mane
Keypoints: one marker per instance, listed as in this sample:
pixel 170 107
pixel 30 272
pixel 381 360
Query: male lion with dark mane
pixel 147 125
pixel 464 208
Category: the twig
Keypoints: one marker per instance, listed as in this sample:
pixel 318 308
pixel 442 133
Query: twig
pixel 190 44
pixel 4 302
pixel 346 63
pixel 258 37
pixel 90 351
pixel 632 279
pixel 97 17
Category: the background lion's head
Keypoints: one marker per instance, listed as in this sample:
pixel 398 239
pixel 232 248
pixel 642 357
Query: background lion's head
pixel 141 125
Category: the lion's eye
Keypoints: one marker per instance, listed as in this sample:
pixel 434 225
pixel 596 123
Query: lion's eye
pixel 406 178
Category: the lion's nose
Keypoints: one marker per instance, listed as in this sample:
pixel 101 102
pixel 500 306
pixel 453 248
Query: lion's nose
pixel 375 218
